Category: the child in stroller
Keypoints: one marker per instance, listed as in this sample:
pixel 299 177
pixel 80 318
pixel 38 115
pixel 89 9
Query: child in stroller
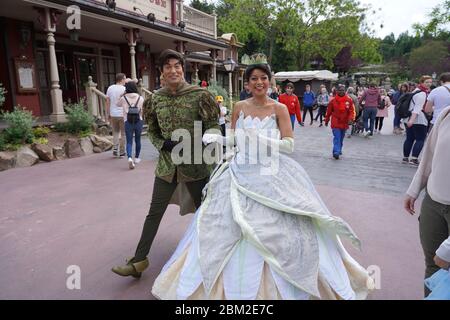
pixel 358 124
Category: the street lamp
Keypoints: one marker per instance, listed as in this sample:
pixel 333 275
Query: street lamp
pixel 151 17
pixel 111 4
pixel 74 35
pixel 229 66
pixel 181 25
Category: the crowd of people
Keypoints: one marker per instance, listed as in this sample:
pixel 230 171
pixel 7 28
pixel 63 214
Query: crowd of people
pixel 416 108
pixel 422 114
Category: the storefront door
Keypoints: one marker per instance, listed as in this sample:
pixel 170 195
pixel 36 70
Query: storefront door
pixel 85 66
pixel 44 82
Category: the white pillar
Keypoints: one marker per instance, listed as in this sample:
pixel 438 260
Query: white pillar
pixel 230 84
pixel 133 61
pixel 195 79
pixel 214 70
pixel 132 36
pixel 91 99
pixel 181 8
pixel 215 24
pixel 58 114
pixel 213 55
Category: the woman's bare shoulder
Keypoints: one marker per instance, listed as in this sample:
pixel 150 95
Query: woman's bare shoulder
pixel 280 108
pixel 240 106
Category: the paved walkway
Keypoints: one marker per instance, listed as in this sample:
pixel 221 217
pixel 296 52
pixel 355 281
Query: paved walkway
pixel 89 212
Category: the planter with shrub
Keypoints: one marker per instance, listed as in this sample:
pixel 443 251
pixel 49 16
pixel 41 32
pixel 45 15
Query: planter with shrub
pixel 22 145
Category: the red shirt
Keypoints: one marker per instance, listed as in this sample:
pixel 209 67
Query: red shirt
pixel 292 103
pixel 342 111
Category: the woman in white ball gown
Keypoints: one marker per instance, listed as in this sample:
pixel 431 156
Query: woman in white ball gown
pixel 262 231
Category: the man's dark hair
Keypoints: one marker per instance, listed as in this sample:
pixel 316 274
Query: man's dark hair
pixel 263 67
pixel 445 77
pixel 120 77
pixel 168 54
pixel 290 85
pixel 131 87
pixel 372 85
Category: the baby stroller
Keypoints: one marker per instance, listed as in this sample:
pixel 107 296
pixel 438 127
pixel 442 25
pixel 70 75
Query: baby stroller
pixel 358 125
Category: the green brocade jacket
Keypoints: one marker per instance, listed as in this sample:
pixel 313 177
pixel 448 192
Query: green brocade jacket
pixel 165 112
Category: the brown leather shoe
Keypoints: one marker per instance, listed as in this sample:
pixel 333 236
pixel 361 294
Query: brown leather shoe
pixel 132 268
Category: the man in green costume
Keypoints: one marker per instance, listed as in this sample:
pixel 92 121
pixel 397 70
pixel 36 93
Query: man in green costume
pixel 176 106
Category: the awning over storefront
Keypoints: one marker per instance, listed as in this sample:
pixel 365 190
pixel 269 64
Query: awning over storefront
pixel 100 23
pixel 295 76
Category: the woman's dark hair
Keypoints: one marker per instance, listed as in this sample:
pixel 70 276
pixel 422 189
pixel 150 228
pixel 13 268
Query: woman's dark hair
pixel 168 54
pixel 404 85
pixel 263 67
pixel 131 87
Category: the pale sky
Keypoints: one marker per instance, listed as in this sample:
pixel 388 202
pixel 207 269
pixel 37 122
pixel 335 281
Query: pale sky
pixel 398 16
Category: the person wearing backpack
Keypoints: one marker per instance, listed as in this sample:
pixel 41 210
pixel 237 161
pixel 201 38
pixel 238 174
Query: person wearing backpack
pixel 404 87
pixel 439 98
pixel 416 123
pixel 383 110
pixel 132 103
pixel 323 99
pixel 371 99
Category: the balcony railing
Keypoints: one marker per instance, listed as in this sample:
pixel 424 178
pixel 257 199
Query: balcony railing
pixel 200 22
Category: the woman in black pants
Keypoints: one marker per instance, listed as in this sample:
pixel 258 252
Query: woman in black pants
pixel 383 111
pixel 417 124
pixel 322 100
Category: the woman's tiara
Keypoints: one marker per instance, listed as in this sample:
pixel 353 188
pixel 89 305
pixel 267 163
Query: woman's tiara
pixel 256 58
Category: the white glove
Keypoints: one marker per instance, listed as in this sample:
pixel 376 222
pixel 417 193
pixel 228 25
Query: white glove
pixel 212 138
pixel 217 138
pixel 285 145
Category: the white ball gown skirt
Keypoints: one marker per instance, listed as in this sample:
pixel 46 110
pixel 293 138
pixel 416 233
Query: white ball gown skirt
pixel 263 236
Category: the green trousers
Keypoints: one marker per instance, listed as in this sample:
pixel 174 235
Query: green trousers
pixel 162 193
pixel 434 229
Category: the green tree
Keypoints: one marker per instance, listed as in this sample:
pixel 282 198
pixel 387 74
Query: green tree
pixel 317 27
pixel 300 29
pixel 367 49
pixel 251 20
pixel 433 56
pixel 438 25
pixel 399 49
pixel 387 47
pixel 203 5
